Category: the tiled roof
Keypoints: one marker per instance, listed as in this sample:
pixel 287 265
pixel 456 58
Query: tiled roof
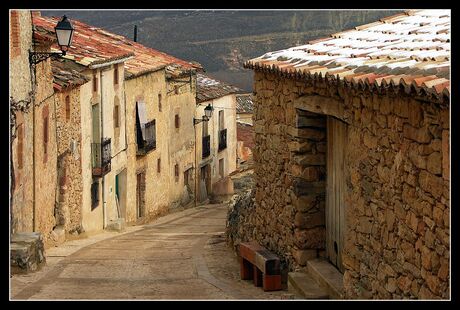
pixel 66 78
pixel 92 45
pixel 410 50
pixel 208 88
pixel 87 48
pixel 244 103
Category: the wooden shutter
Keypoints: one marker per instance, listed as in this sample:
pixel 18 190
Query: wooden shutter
pixel 335 203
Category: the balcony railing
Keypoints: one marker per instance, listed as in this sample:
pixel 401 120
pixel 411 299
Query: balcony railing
pixel 206 147
pixel 101 157
pixel 149 142
pixel 222 139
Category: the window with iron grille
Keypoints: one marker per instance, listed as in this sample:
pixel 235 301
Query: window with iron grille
pixel 94 195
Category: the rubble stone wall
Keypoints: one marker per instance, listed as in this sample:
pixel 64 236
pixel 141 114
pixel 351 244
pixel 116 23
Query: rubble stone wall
pixel 397 184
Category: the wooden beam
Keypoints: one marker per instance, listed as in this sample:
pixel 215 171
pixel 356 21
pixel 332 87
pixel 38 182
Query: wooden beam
pixel 322 105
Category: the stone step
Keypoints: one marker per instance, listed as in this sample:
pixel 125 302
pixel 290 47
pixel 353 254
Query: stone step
pixel 305 287
pixel 327 276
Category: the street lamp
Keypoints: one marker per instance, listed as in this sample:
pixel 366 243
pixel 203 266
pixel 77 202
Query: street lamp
pixel 207 115
pixel 205 118
pixel 64 33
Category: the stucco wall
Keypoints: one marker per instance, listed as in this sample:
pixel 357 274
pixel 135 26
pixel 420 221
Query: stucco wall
pixel 146 88
pixel 181 140
pixel 397 185
pixel 228 105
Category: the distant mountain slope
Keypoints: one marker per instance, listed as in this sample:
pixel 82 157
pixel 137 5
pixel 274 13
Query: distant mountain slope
pixel 222 40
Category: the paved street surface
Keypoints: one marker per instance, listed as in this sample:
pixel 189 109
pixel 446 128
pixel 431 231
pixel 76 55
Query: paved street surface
pixel 180 256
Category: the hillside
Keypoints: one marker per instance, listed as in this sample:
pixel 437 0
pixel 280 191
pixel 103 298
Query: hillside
pixel 222 40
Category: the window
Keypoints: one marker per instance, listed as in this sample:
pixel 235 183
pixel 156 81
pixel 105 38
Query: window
pixel 177 121
pixel 115 75
pixel 20 145
pixel 116 116
pixel 159 165
pixel 15 47
pixel 221 120
pixel 176 172
pixel 94 195
pixel 67 107
pixel 45 137
pixel 94 83
pixel 176 89
pixel 140 194
pixel 159 102
pixel 221 168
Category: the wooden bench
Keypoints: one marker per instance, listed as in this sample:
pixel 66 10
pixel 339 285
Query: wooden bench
pixel 261 265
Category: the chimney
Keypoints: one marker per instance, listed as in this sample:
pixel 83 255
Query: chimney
pixel 135 33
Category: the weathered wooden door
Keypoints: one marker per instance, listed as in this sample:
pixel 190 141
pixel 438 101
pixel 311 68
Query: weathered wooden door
pixel 335 204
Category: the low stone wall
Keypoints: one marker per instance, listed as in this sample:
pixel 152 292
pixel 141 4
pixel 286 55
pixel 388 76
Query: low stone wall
pixel 27 252
pixel 240 219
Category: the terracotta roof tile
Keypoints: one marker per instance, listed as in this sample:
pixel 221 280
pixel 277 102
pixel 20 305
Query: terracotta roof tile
pixel 208 88
pixel 65 77
pixel 412 48
pixel 244 103
pixel 92 45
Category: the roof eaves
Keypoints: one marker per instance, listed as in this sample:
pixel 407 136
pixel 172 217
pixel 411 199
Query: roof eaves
pixel 109 61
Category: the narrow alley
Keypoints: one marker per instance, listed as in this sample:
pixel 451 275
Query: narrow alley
pixel 180 256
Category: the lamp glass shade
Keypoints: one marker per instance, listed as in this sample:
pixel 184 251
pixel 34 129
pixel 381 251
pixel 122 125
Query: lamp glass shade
pixel 208 111
pixel 64 33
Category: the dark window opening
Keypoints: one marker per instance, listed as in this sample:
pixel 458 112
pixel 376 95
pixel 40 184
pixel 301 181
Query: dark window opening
pixel 67 107
pixel 177 121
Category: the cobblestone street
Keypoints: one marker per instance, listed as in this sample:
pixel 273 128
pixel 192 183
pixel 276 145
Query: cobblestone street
pixel 180 256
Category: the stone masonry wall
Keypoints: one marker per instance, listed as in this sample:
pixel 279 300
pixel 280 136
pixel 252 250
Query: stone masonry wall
pixel 397 184
pixel 69 213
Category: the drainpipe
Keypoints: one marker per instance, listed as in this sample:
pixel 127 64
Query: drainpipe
pixel 104 220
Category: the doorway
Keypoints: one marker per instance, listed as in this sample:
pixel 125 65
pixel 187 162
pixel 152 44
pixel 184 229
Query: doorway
pixel 205 182
pixel 120 193
pixel 335 190
pixel 140 194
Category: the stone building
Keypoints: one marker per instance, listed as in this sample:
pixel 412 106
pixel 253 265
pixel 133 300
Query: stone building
pixel 69 191
pixel 33 130
pixel 352 155
pixel 216 138
pixel 103 146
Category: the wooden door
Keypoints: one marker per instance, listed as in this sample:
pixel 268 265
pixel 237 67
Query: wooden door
pixel 335 203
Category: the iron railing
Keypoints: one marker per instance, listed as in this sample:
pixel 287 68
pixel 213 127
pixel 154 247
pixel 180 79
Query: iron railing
pixel 149 142
pixel 206 146
pixel 222 139
pixel 101 157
